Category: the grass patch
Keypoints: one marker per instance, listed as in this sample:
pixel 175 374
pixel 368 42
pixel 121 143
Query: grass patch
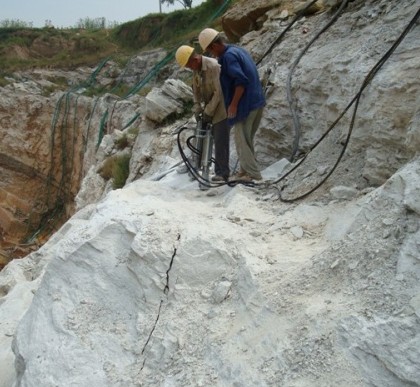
pixel 3 82
pixel 121 142
pixel 167 30
pixel 24 47
pixel 120 171
pixel 133 131
pixel 54 48
pixel 176 116
pixel 117 168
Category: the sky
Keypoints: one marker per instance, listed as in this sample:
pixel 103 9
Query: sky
pixel 67 13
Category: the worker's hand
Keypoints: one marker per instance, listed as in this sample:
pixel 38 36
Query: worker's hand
pixel 207 119
pixel 232 110
pixel 197 116
pixel 198 111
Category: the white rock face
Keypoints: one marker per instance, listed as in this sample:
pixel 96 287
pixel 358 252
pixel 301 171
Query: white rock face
pixel 13 307
pixel 368 342
pixel 162 284
pixel 328 76
pixel 92 189
pixel 167 100
pixel 138 67
pixel 46 142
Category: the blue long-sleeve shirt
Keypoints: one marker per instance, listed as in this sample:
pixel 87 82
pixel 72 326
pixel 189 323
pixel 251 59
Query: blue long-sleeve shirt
pixel 238 69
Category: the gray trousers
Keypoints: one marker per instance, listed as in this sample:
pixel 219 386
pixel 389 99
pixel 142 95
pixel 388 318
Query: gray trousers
pixel 244 139
pixel 221 134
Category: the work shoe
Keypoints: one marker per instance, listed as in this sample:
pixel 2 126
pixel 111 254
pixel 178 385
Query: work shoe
pixel 256 177
pixel 245 177
pixel 242 174
pixel 218 179
pixel 238 177
pixel 182 169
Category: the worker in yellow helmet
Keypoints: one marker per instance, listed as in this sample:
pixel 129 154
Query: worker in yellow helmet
pixel 209 103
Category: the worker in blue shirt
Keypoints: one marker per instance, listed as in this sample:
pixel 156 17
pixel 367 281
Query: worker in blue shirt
pixel 244 97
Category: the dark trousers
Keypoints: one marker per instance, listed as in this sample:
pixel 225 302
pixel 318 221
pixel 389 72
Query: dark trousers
pixel 221 135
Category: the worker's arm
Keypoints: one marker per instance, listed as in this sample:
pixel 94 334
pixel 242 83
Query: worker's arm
pixel 233 107
pixel 196 87
pixel 217 95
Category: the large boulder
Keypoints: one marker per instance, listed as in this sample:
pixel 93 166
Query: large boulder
pixel 169 100
pixel 247 16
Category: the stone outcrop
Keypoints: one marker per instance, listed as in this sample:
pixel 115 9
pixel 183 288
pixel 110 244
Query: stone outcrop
pixel 368 342
pixel 248 16
pixel 327 78
pixel 170 99
pixel 136 288
pixel 244 18
pixel 139 67
pixel 321 86
pixel 160 283
pixel 25 159
pixel 47 144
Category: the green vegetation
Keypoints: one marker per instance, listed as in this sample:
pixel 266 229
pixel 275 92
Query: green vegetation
pixel 3 81
pixel 95 24
pixel 22 48
pixel 120 171
pixel 187 109
pixel 121 142
pixel 86 23
pixel 14 23
pixel 92 40
pixel 167 30
pixel 117 168
pixel 133 131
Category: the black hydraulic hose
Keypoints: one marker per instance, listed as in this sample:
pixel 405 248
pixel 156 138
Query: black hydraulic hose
pixel 296 123
pixel 356 99
pixel 187 162
pixel 195 174
pixel 290 25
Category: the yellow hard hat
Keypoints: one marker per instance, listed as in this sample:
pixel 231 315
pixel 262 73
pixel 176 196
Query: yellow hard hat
pixel 183 54
pixel 206 37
